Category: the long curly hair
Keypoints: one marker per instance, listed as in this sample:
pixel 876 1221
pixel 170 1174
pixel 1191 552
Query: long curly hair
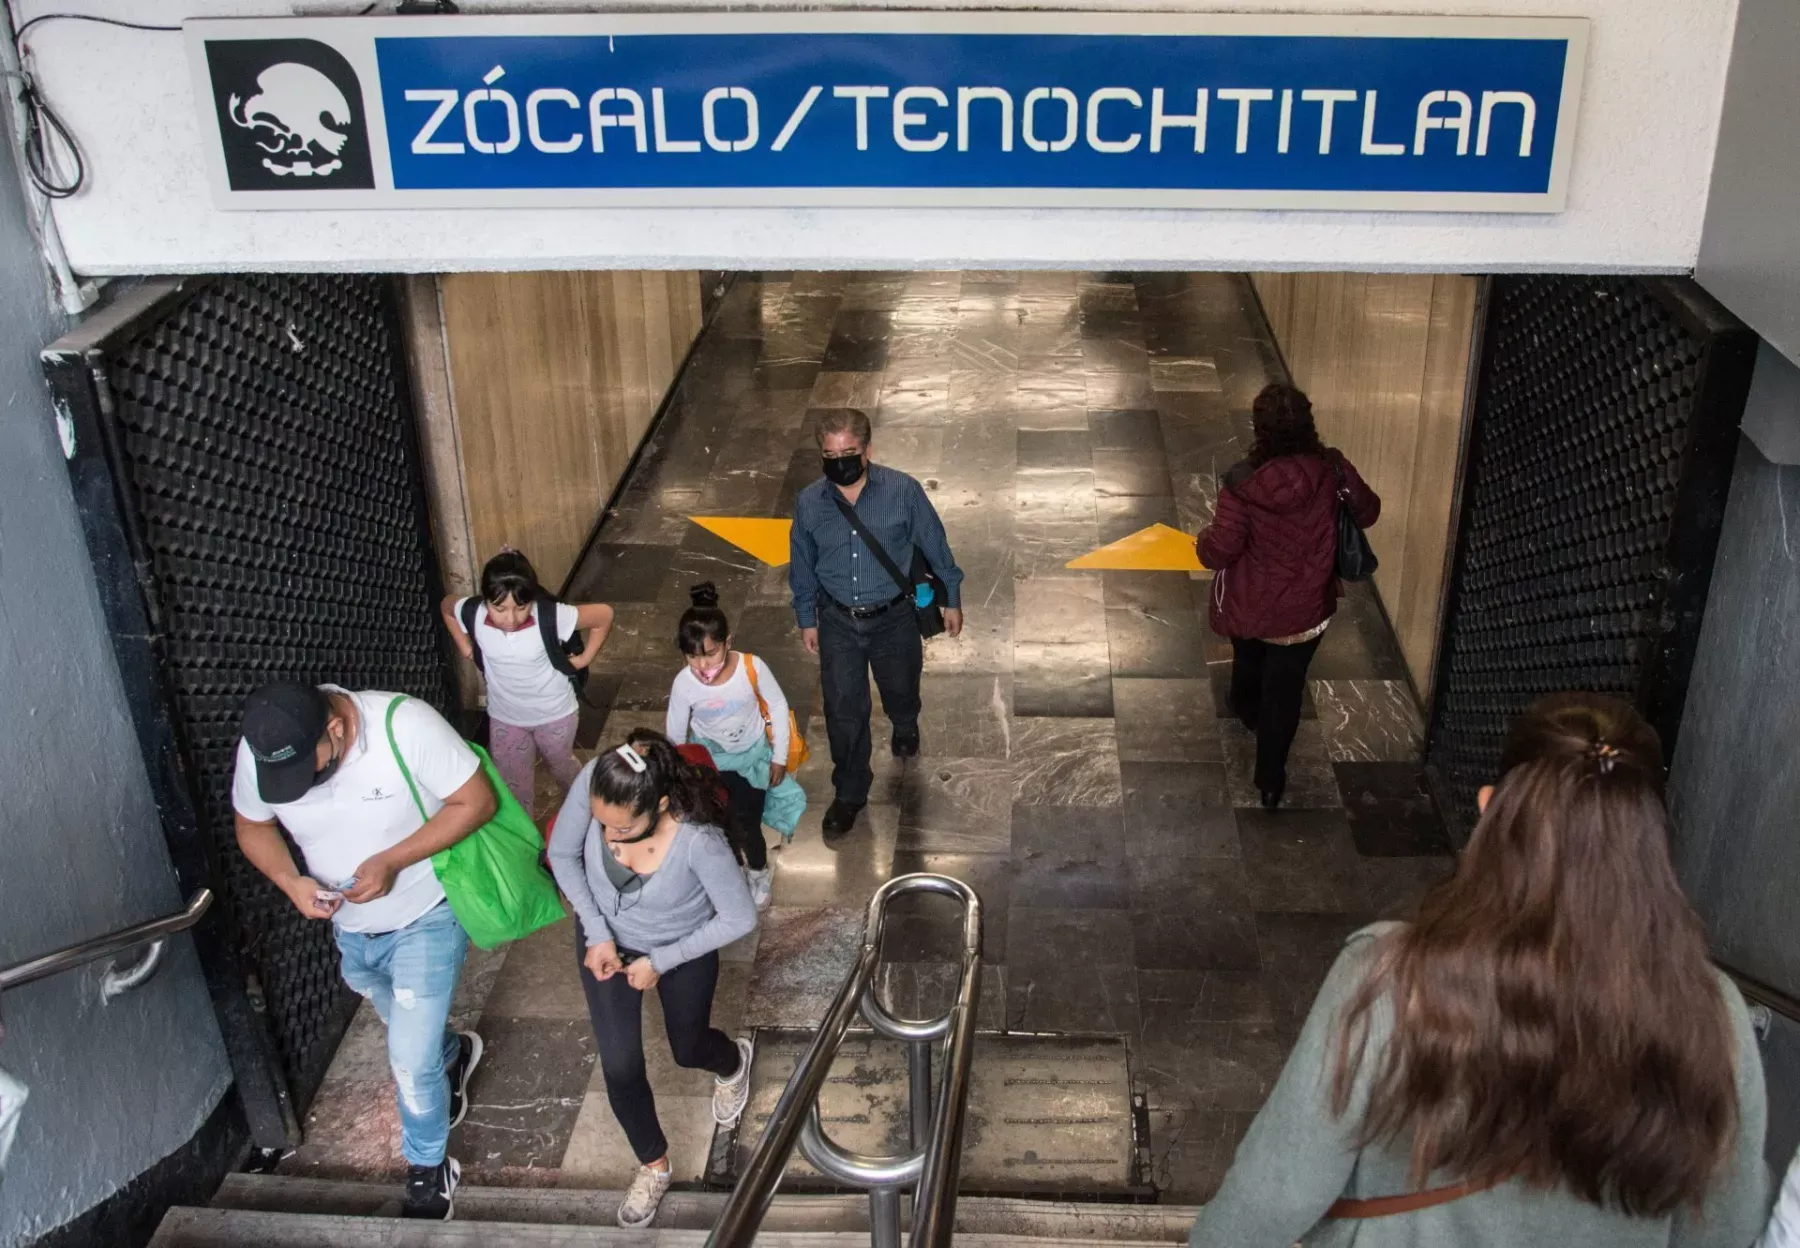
pixel 1282 418
pixel 1555 1014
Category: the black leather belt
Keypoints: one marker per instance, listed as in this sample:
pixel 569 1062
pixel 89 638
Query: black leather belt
pixel 865 613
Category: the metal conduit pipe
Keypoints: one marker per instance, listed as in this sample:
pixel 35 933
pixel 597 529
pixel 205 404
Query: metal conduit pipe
pixel 932 1167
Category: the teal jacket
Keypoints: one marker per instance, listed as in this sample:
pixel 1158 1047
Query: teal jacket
pixel 1298 1158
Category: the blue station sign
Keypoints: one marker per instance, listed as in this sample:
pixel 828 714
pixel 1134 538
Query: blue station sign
pixel 1461 114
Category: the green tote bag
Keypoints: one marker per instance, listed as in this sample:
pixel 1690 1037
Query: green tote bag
pixel 491 877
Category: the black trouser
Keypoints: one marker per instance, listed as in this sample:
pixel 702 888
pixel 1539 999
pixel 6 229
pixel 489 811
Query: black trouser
pixel 616 1010
pixel 849 649
pixel 743 820
pixel 1268 683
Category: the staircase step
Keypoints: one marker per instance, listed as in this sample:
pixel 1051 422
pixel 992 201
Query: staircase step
pixel 378 1204
pixel 235 1228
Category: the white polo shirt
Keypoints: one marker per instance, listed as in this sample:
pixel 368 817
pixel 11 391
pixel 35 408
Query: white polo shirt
pixel 523 688
pixel 365 807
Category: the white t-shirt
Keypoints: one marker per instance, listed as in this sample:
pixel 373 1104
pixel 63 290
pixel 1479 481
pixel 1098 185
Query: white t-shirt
pixel 365 807
pixel 523 688
pixel 728 713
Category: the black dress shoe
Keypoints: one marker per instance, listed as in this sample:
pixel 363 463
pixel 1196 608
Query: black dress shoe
pixel 840 817
pixel 1271 798
pixel 906 747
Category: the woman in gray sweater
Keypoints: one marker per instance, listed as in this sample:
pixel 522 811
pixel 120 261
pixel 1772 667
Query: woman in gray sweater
pixel 657 892
pixel 1544 1056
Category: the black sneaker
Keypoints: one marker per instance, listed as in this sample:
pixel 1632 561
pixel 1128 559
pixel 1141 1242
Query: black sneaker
pixel 468 1056
pixel 906 746
pixel 431 1191
pixel 840 817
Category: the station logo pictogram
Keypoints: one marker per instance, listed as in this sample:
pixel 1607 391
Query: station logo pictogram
pixel 291 116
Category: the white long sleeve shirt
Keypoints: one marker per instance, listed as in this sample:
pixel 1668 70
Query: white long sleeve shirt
pixel 1784 1223
pixel 727 713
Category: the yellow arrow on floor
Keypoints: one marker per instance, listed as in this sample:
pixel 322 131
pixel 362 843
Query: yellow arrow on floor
pixel 766 539
pixel 1158 548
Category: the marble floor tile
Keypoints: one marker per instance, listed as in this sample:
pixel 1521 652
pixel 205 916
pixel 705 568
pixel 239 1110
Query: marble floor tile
pixel 1174 373
pixel 1298 950
pixel 916 451
pixel 1131 473
pixel 1396 885
pixel 966 715
pixel 1138 430
pixel 1302 860
pixel 1155 643
pixel 616 572
pixel 525 1096
pixel 1069 856
pixel 1117 390
pixel 1391 812
pixel 1198 919
pixel 801 959
pixel 352 1132
pixel 1166 720
pixel 1061 680
pixel 542 979
pixel 598 1155
pixel 1065 609
pixel 905 406
pixel 1369 721
pixel 1175 811
pixel 1113 355
pixel 1121 515
pixel 1152 592
pixel 854 355
pixel 957 805
pixel 1086 1001
pixel 928 928
pixel 810 873
pixel 1051 372
pixel 1174 1003
pixel 985 647
pixel 1311 783
pixel 927 990
pixel 859 389
pixel 1064 496
pixel 1065 761
pixel 1191 1150
pixel 1049 450
pixel 1049 545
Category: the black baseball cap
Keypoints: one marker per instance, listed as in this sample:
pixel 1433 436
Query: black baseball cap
pixel 282 725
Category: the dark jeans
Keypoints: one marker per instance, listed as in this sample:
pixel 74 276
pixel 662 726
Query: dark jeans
pixel 1267 686
pixel 616 1010
pixel 743 821
pixel 849 649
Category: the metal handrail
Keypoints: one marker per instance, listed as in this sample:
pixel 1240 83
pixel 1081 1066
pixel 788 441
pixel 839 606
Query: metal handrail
pixel 932 1166
pixel 152 933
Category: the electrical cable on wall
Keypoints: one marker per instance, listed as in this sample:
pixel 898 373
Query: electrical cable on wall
pixel 53 159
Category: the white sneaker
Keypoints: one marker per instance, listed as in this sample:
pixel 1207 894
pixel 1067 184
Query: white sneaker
pixel 731 1095
pixel 760 883
pixel 644 1195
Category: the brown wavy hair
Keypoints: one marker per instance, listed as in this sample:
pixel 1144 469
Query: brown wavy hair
pixel 1281 418
pixel 1556 1016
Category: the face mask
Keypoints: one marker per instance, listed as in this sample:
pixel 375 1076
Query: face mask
pixel 845 470
pixel 710 674
pixel 330 769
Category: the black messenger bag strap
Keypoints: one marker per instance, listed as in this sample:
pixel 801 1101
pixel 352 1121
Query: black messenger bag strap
pixel 881 555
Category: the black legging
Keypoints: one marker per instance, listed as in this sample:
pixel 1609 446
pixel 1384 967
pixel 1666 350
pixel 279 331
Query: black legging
pixel 616 1010
pixel 1268 684
pixel 743 820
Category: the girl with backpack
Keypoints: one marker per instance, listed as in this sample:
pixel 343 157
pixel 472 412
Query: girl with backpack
pixel 532 652
pixel 731 703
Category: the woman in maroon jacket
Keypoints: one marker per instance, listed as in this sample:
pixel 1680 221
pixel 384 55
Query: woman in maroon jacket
pixel 1272 547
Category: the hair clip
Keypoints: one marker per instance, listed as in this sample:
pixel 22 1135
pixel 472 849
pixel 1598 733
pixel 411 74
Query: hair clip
pixel 1605 754
pixel 633 759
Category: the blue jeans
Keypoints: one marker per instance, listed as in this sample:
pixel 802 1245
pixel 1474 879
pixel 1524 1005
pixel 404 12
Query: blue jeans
pixel 410 976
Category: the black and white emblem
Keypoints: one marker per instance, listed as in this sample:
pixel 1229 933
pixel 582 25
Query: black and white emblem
pixel 291 116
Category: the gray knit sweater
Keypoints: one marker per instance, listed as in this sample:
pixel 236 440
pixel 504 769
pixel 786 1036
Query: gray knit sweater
pixel 1298 1158
pixel 695 902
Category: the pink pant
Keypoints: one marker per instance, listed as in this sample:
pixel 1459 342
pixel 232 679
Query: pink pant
pixel 516 750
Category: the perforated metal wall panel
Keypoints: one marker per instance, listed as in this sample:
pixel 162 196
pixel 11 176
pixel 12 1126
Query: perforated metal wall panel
pixel 1604 423
pixel 265 437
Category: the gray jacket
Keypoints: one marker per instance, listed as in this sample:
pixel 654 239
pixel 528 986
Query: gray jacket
pixel 1298 1158
pixel 694 903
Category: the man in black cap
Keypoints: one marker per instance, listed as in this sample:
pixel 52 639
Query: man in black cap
pixel 339 771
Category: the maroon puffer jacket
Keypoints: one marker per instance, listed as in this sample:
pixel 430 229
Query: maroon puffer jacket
pixel 1272 544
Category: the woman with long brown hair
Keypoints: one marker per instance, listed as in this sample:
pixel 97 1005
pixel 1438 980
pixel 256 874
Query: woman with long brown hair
pixel 1545 1055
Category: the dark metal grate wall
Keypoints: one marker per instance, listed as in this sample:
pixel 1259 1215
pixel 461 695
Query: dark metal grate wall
pixel 269 445
pixel 1590 400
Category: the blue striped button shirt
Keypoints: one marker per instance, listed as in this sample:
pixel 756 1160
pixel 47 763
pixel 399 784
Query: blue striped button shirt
pixel 827 556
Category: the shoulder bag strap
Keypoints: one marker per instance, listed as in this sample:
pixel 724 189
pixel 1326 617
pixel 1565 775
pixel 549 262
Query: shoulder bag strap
pixel 1411 1202
pixel 399 761
pixel 547 611
pixel 761 704
pixel 903 583
pixel 470 606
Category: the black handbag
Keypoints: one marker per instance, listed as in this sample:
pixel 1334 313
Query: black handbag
pixel 931 615
pixel 1355 557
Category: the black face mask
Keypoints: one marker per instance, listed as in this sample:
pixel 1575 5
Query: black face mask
pixel 330 769
pixel 845 470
